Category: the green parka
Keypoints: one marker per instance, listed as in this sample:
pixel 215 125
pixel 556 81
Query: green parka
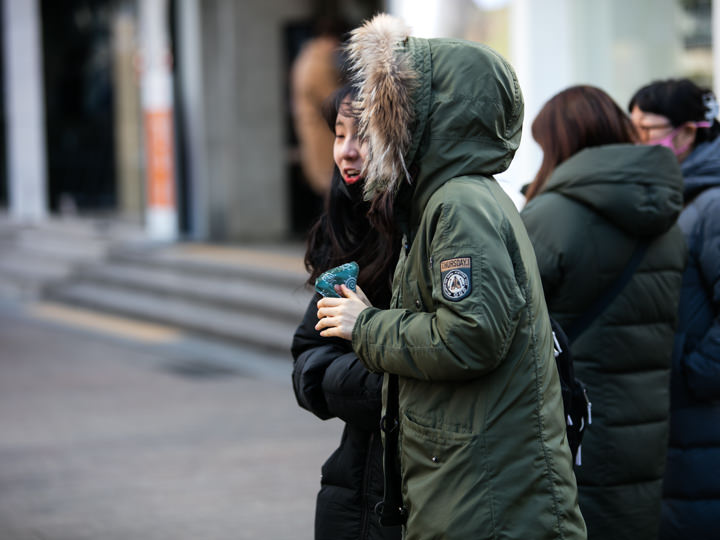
pixel 483 450
pixel 584 227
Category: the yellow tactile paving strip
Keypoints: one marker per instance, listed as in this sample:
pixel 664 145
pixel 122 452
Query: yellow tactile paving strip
pixel 100 322
pixel 245 256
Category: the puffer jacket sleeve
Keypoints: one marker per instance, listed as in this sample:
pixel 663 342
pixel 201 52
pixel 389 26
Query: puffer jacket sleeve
pixel 353 393
pixel 329 380
pixel 702 366
pixel 450 340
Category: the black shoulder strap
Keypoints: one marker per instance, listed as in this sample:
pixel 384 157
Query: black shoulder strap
pixel 579 325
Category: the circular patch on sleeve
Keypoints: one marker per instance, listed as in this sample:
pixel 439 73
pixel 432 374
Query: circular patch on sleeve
pixel 455 276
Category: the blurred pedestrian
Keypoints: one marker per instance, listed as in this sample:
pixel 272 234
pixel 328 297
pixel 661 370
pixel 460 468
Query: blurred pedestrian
pixel 466 347
pixel 315 74
pixel 598 202
pixel 679 114
pixel 328 378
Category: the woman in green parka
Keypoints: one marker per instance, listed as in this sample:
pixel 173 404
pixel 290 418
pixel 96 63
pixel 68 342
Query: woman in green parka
pixel 595 198
pixel 482 446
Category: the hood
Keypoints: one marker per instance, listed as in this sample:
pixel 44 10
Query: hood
pixel 637 188
pixel 441 107
pixel 701 169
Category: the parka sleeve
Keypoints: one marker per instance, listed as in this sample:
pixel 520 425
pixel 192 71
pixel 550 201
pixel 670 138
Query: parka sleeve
pixel 452 340
pixel 329 380
pixel 702 366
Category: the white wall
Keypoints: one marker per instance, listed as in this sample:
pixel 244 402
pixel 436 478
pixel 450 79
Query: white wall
pixel 615 44
pixel 24 110
pixel 432 18
pixel 618 45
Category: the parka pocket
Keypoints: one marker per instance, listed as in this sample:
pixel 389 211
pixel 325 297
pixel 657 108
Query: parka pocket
pixel 445 485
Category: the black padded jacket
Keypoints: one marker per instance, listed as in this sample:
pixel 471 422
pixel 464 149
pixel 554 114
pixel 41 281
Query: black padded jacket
pixel 330 381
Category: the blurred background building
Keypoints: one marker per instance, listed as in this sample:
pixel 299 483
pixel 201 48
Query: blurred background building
pixel 182 115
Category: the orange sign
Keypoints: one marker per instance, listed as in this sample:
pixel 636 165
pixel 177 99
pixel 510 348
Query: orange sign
pixel 159 144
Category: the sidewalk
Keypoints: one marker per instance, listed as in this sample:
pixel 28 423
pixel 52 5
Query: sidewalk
pixel 109 437
pixel 131 403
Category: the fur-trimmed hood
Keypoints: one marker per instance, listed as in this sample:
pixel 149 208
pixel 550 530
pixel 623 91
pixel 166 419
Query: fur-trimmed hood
pixel 442 107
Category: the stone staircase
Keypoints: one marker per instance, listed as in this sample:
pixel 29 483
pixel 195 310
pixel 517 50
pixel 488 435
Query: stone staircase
pixel 243 295
pixel 35 255
pixel 250 296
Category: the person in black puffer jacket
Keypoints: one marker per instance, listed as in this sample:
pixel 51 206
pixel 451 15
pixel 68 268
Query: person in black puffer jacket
pixel 596 197
pixel 328 379
pixel 682 116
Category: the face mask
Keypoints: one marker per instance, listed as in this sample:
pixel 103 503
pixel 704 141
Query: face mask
pixel 667 140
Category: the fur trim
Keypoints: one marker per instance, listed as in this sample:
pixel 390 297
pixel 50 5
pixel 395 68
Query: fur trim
pixel 385 79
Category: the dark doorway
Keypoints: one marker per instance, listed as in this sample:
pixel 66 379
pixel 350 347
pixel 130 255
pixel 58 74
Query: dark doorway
pixel 79 104
pixel 182 179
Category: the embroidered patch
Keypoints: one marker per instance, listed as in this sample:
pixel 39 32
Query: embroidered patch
pixel 455 276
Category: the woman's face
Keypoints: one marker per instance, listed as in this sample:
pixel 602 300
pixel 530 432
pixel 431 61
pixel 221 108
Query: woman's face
pixel 657 129
pixel 349 152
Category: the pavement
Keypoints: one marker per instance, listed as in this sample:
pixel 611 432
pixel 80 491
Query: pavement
pixel 116 429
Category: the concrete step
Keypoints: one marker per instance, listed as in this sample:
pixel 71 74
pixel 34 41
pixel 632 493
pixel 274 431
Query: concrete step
pixel 33 266
pixel 264 266
pixel 38 255
pixel 230 325
pixel 255 295
pixel 69 238
pixel 25 272
pixel 285 299
pixel 80 248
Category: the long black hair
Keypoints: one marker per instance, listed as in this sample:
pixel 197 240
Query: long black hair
pixel 343 233
pixel 680 101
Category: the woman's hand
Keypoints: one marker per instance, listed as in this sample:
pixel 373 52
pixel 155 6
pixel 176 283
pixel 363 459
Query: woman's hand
pixel 337 316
